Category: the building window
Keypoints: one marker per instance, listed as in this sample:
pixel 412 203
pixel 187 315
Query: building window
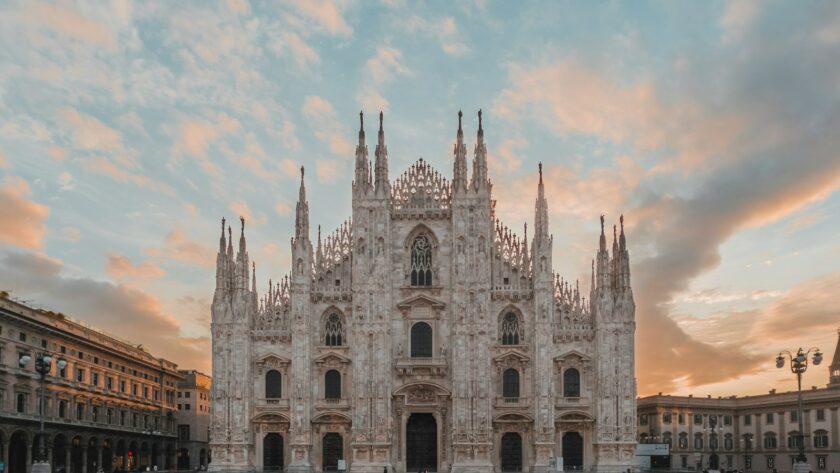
pixel 748 462
pixel 109 415
pixel 683 441
pixel 187 394
pixel 122 418
pixel 729 461
pixel 643 419
pixel 666 418
pixel 666 438
pixel 794 416
pixel 332 385
pixel 94 414
pixel 22 336
pixel 821 462
pixel 747 419
pixel 21 403
pixel 770 440
pixel 684 461
pixel 771 462
pixel 273 385
pixel 510 383
pixel 794 439
pixel 698 441
pixel 681 418
pixel 94 379
pixel 80 411
pixel 727 442
pixel 133 389
pixel 821 439
pixel 769 418
pixel 62 408
pixel 510 329
pixel 820 414
pixel 184 432
pixel 146 392
pixel 713 441
pixel 421 261
pixel 122 386
pixel 187 407
pixel 571 383
pixel 698 419
pixel 333 331
pixel 80 375
pixel 421 340
pixel 727 420
pixel 109 383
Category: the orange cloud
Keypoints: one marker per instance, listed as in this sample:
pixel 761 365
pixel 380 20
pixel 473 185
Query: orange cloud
pixel 24 220
pixel 178 246
pixel 91 134
pixel 120 267
pixel 106 167
pixel 69 22
pixel 328 14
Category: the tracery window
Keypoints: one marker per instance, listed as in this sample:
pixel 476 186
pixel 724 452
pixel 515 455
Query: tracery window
pixel 332 331
pixel 421 340
pixel 332 385
pixel 571 383
pixel 510 383
pixel 273 385
pixel 510 329
pixel 421 261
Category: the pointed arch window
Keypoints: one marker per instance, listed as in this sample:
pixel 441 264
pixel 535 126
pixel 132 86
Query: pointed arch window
pixel 510 329
pixel 421 261
pixel 273 385
pixel 571 383
pixel 421 340
pixel 510 383
pixel 332 385
pixel 333 330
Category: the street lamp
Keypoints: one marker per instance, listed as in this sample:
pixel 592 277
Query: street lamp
pixel 798 365
pixel 713 430
pixel 43 365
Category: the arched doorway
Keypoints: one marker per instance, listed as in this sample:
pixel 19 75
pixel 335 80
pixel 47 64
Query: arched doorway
pixel 332 451
pixel 272 451
pixel 202 458
pixel 131 457
pixel 572 451
pixel 76 453
pixel 120 456
pixel 17 453
pixel 143 458
pixel 511 452
pixel 107 457
pixel 155 458
pixel 92 452
pixel 421 442
pixel 183 459
pixel 59 453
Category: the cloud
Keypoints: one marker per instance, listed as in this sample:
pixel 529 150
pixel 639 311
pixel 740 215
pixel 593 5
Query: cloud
pixel 71 234
pixel 91 134
pixel 807 309
pixel 444 30
pixel 4 163
pixel 57 153
pixel 115 308
pixel 70 23
pixel 383 67
pixel 283 208
pixel 120 267
pixel 304 55
pixel 718 296
pixel 328 170
pixel 191 209
pixel 25 220
pixel 66 182
pixel 323 119
pixel 241 209
pixel 106 167
pixel 326 14
pixel 194 135
pixel 737 16
pixel 179 247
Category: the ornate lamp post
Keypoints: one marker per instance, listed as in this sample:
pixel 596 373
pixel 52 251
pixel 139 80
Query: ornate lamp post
pixel 714 437
pixel 43 365
pixel 798 365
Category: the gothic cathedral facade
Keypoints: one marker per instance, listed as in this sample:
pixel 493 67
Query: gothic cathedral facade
pixel 423 334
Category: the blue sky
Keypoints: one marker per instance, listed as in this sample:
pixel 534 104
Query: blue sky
pixel 128 129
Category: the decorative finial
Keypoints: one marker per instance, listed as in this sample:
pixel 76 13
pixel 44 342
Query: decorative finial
pixel 615 233
pixel 479 120
pixel 223 226
pixel 602 224
pixel 380 120
pixel 301 173
pixel 361 121
pixel 540 166
pixel 242 219
pixel 621 219
pixel 459 119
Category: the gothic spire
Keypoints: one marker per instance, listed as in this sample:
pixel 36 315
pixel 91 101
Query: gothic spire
pixel 381 184
pixel 622 241
pixel 834 368
pixel 242 235
pixel 221 261
pixel 362 164
pixel 459 180
pixel 540 213
pixel 302 211
pixel 254 277
pixel 603 241
pixel 479 176
pixel 222 238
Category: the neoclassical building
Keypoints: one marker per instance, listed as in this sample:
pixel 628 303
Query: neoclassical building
pixel 423 334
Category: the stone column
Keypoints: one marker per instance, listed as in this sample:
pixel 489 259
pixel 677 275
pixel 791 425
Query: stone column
pixel 98 457
pixel 84 459
pixel 29 456
pixel 67 452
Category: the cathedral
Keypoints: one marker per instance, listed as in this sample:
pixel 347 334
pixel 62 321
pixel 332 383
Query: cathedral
pixel 423 334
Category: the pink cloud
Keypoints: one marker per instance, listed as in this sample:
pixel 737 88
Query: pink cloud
pixel 106 167
pixel 241 209
pixel 327 14
pixel 69 22
pixel 24 219
pixel 91 134
pixel 324 121
pixel 179 247
pixel 120 267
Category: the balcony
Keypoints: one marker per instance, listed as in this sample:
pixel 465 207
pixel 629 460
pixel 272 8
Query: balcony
pixel 510 402
pixel 332 404
pixel 421 366
pixel 270 404
pixel 561 402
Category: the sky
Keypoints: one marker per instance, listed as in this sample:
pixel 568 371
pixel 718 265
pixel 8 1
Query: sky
pixel 127 130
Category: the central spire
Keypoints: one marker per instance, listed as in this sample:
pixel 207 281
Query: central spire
pixel 459 179
pixel 381 183
pixel 540 213
pixel 362 171
pixel 302 211
pixel 479 176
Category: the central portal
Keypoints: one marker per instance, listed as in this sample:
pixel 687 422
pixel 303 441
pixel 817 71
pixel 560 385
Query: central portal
pixel 421 443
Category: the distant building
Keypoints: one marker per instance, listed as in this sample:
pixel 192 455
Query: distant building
pixel 193 419
pixel 111 407
pixel 755 433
